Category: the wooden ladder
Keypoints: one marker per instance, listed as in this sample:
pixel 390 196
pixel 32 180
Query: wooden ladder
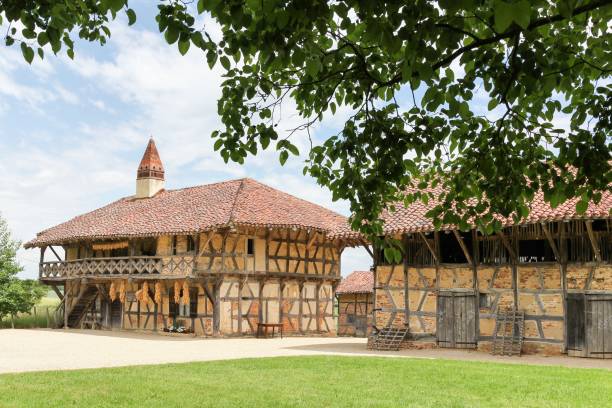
pixel 509 333
pixel 389 338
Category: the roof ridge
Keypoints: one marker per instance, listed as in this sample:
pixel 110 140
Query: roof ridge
pixel 294 196
pixel 231 217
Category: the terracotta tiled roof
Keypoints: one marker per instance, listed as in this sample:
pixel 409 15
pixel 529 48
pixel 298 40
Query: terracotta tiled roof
pixel 357 282
pixel 412 218
pixel 237 202
pixel 151 164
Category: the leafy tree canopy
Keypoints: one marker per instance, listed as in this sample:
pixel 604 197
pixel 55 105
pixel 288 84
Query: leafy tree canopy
pixel 16 295
pixel 491 76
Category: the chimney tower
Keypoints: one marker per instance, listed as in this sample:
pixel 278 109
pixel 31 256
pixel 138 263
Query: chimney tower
pixel 150 178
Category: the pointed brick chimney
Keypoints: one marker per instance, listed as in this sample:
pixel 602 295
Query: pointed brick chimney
pixel 150 179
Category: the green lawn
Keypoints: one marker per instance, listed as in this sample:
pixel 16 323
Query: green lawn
pixel 311 382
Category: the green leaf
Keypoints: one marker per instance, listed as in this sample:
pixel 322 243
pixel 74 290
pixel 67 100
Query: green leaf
pixel 183 46
pixel 503 13
pixel 28 52
pixel 131 16
pixel 313 66
pixel 492 104
pixel 581 206
pixel 116 5
pixel 172 34
pixel 521 13
pixel 225 62
pixel 201 6
pixel 283 157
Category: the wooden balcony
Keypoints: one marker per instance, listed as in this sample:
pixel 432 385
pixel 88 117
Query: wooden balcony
pixel 141 266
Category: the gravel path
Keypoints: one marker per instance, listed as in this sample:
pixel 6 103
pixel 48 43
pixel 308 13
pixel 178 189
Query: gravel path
pixel 36 350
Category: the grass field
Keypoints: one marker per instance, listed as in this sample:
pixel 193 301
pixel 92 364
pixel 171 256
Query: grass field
pixel 37 316
pixel 312 382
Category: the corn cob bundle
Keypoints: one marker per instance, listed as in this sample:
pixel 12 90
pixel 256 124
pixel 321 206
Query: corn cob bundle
pixel 158 293
pixel 185 293
pixel 177 292
pixel 122 292
pixel 112 292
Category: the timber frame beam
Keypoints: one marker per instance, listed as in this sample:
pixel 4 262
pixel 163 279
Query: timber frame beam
pixel 551 241
pixel 464 248
pixel 589 227
pixel 511 250
pixel 431 249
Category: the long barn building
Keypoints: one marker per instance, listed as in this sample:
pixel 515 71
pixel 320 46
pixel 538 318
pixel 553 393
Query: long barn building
pixel 217 259
pixel 452 288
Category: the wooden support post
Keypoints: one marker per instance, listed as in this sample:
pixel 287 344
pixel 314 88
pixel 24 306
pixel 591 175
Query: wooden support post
pixel 301 306
pixel 594 244
pixel 240 288
pixel 317 303
pixel 288 245
pixel 260 308
pixel 66 297
pixel 464 248
pixel 280 301
pixel 551 241
pixel 267 250
pixel 217 307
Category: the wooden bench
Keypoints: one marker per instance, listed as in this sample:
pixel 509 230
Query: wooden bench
pixel 262 329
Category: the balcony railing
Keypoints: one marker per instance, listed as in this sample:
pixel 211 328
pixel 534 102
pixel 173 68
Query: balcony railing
pixel 131 265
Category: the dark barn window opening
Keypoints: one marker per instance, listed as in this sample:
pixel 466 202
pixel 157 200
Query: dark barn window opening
pixel 191 246
pixel 535 250
pixel 250 246
pixel 450 250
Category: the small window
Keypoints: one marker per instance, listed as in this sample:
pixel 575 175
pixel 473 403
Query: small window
pixel 190 244
pixel 250 246
pixel 174 244
pixel 350 318
pixel 484 301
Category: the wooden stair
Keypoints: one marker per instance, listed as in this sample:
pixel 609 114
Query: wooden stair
pixel 388 338
pixel 81 306
pixel 509 333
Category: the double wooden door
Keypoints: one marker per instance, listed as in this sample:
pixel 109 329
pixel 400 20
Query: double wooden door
pixel 456 322
pixel 589 325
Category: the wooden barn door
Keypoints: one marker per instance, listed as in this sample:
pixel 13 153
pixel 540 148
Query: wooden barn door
pixel 456 325
pixel 589 325
pixel 599 326
pixel 575 325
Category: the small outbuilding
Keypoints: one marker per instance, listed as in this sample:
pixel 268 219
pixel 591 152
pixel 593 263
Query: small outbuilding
pixel 355 304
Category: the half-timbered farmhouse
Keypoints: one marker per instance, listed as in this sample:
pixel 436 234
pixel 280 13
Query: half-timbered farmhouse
pixel 215 259
pixel 544 286
pixel 355 304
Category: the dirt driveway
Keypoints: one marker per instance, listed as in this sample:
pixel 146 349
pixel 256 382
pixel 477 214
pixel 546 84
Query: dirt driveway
pixel 34 350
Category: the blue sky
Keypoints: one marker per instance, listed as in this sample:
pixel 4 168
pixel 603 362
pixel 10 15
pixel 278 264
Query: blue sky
pixel 72 132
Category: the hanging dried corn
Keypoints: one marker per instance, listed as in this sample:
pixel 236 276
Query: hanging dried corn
pixel 158 293
pixel 138 295
pixel 185 293
pixel 122 292
pixel 177 292
pixel 112 292
pixel 145 293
